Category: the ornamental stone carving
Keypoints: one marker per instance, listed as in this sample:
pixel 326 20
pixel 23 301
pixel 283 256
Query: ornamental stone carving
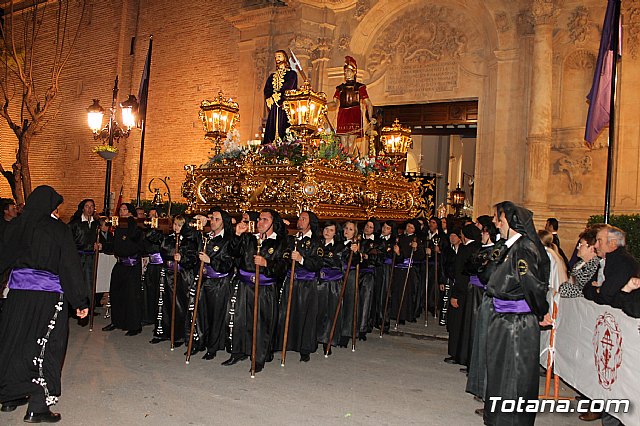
pixel 579 23
pixel 631 25
pixel 543 11
pixel 503 24
pixel 524 23
pixel 362 7
pixel 581 60
pixel 430 34
pixel 575 170
pixel 343 42
pixel 261 59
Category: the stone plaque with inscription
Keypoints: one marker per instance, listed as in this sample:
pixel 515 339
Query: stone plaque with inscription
pixel 420 79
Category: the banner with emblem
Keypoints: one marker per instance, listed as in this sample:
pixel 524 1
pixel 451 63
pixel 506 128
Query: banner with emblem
pixel 598 353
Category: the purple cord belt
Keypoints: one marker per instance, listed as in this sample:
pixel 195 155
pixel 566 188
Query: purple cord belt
pixel 330 274
pixel 34 279
pixel 211 273
pixel 250 278
pixel 129 261
pixel 511 306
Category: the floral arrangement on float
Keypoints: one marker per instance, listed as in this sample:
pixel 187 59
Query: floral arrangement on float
pixel 232 150
pixel 289 149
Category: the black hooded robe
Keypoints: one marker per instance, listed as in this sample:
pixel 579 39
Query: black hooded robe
pixel 37 241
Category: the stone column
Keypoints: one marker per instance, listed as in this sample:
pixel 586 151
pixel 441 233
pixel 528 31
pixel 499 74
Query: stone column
pixel 540 119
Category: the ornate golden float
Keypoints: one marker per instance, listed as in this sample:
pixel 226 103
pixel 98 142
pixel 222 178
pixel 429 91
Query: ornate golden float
pixel 308 174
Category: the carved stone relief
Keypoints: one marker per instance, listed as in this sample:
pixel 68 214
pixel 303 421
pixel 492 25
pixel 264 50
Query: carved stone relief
pixel 362 7
pixel 575 170
pixel 579 23
pixel 524 23
pixel 631 24
pixel 420 51
pixel 503 24
pixel 261 59
pixel 581 60
pixel 343 42
pixel 544 11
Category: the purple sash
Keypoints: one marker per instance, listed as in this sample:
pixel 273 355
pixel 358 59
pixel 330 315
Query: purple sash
pixel 475 281
pixel 250 278
pixel 511 306
pixel 34 279
pixel 404 265
pixel 388 261
pixel 330 274
pixel 209 272
pixel 169 265
pixel 366 271
pixel 86 252
pixel 302 275
pixel 155 259
pixel 129 261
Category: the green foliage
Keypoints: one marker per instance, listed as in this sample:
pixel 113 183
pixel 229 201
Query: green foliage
pixel 629 223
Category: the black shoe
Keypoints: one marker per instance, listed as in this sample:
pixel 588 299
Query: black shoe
pixel 344 341
pixel 464 370
pixel 450 360
pixel 362 336
pixel 305 358
pixel 209 356
pixel 326 349
pixel 133 332
pixel 269 357
pixel 194 351
pixel 12 405
pixel 46 417
pixel 259 368
pixel 83 322
pixel 109 327
pixel 234 359
pixel 157 340
pixel 177 344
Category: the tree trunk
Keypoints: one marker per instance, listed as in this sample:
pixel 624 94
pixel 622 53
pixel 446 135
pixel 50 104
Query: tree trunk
pixel 23 153
pixel 17 176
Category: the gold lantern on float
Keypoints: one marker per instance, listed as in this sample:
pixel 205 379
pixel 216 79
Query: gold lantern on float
pixel 458 197
pixel 396 141
pixel 305 110
pixel 219 118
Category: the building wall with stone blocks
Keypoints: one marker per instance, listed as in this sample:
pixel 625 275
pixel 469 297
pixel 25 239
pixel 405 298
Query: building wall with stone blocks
pixel 529 63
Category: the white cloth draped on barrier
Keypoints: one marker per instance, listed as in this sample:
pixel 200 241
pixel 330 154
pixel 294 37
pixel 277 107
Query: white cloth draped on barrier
pixel 105 266
pixel 598 353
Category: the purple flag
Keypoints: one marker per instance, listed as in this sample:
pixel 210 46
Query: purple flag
pixel 143 91
pixel 600 95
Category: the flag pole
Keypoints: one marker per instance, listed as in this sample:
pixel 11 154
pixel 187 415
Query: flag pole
pixel 142 98
pixel 612 109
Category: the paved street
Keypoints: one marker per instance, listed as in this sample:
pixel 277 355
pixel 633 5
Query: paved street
pixel 110 379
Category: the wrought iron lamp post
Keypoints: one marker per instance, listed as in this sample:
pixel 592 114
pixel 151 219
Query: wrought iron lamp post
pixel 111 132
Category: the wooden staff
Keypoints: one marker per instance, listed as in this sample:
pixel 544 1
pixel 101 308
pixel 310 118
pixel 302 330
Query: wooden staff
pixel 287 317
pixel 95 279
pixel 386 303
pixel 404 288
pixel 355 312
pixel 426 293
pixel 254 338
pixel 436 241
pixel 195 305
pixel 335 316
pixel 175 292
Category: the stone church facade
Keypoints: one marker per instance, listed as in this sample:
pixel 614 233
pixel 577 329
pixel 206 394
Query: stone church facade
pixel 528 63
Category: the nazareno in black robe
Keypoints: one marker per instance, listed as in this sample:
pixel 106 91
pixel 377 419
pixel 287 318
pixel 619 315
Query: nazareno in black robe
pixel 36 240
pixel 126 280
pixel 513 355
pixel 244 248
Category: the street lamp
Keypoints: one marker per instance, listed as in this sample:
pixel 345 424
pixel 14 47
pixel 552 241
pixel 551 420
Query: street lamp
pixel 111 132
